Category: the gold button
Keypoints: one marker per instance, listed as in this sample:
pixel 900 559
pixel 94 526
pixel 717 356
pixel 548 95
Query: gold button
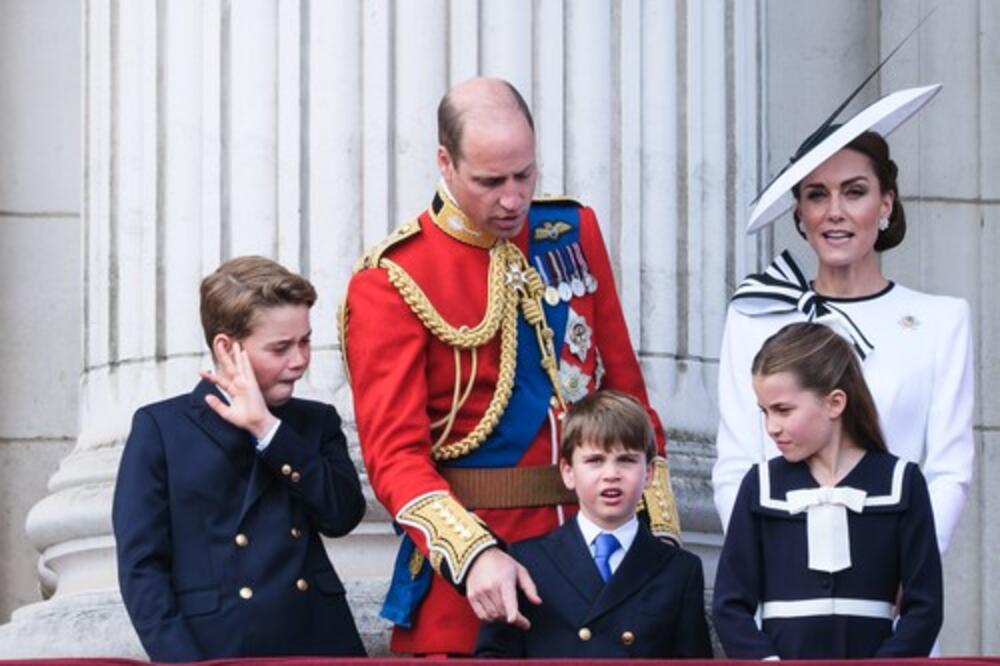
pixel 584 634
pixel 286 469
pixel 628 638
pixel 245 593
pixel 295 477
pixel 242 541
pixel 296 533
pixel 302 584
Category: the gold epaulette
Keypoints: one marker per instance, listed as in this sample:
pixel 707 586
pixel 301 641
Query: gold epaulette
pixel 658 502
pixel 454 535
pixel 372 258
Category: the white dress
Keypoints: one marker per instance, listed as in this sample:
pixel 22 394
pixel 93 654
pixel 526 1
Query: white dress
pixel 919 372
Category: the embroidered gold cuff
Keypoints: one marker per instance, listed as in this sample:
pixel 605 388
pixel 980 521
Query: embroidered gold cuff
pixel 454 535
pixel 658 501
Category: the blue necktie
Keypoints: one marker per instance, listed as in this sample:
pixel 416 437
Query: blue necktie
pixel 604 546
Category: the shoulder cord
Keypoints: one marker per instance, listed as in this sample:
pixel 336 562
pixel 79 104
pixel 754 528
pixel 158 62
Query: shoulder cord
pixel 511 282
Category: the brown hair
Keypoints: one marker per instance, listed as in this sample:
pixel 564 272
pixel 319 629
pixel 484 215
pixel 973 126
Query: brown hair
pixel 607 418
pixel 233 295
pixel 451 122
pixel 875 148
pixel 822 361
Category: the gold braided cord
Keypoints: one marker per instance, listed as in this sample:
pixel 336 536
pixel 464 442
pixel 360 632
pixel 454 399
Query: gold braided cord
pixel 461 336
pixel 511 282
pixel 448 420
pixel 456 401
pixel 501 395
pixel 474 355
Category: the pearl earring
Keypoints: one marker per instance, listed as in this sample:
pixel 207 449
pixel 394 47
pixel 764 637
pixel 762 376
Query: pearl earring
pixel 883 223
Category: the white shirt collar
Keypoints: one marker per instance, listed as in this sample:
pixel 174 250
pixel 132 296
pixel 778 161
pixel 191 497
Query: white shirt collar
pixel 447 192
pixel 625 533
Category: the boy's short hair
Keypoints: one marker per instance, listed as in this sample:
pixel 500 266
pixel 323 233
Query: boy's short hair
pixel 607 418
pixel 233 295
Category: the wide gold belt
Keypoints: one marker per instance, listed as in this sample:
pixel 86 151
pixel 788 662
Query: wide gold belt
pixel 508 487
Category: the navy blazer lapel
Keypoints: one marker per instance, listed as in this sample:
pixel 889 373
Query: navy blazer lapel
pixel 571 556
pixel 645 559
pixel 261 476
pixel 235 442
pixel 260 479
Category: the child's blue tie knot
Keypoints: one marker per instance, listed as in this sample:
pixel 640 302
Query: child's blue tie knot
pixel 604 546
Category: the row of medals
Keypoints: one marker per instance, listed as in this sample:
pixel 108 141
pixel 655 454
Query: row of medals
pixel 565 273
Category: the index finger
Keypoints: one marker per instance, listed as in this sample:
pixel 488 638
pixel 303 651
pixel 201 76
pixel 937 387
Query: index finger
pixel 508 595
pixel 522 622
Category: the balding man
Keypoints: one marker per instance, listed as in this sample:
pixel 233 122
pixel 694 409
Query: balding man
pixel 467 333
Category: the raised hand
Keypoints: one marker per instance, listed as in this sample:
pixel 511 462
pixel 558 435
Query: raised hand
pixel 247 408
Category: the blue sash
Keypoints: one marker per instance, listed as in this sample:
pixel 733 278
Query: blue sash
pixel 521 421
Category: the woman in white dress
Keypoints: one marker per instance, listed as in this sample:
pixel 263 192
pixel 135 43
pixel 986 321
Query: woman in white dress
pixel 916 347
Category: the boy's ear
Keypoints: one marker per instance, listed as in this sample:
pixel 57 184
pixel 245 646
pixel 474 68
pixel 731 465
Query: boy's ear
pixel 566 470
pixel 222 345
pixel 650 472
pixel 836 403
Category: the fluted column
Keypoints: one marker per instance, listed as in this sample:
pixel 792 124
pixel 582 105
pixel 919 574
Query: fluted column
pixel 305 131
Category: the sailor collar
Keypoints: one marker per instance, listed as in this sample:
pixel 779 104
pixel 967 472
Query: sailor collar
pixel 450 219
pixel 878 486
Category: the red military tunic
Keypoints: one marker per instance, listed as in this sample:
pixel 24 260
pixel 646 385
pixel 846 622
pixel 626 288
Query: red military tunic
pixel 404 379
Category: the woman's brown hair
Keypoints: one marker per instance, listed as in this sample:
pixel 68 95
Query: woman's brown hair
pixel 822 361
pixel 875 148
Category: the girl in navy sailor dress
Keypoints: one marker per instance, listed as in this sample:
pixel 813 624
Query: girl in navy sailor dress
pixel 833 542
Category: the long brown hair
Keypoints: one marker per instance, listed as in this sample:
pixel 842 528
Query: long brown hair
pixel 822 361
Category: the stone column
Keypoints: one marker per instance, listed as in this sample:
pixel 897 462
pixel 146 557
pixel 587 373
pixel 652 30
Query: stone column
pixel 305 131
pixel 951 182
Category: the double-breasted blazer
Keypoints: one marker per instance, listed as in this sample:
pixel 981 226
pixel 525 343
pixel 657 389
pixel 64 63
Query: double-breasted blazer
pixel 653 606
pixel 219 549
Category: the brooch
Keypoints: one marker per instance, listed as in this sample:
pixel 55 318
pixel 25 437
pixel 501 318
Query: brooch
pixel 551 230
pixel 909 323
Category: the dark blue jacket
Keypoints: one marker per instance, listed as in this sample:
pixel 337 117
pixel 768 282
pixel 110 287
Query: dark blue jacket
pixel 219 550
pixel 894 556
pixel 652 607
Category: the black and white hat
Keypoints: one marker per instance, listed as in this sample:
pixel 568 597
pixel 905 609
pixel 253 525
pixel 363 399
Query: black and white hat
pixel 883 117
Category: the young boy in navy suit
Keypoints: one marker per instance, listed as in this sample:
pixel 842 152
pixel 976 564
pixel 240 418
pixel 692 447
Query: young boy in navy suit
pixel 223 493
pixel 608 587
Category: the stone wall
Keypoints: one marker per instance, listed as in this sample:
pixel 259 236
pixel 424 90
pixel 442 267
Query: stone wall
pixel 304 130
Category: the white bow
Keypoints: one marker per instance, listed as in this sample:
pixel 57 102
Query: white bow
pixel 783 287
pixel 826 523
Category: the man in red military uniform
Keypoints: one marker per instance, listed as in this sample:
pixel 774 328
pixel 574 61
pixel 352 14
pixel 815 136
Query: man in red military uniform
pixel 466 334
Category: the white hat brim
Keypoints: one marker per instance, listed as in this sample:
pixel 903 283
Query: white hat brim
pixel 883 117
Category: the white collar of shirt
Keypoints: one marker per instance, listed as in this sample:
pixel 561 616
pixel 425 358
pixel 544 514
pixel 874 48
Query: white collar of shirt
pixel 625 534
pixel 447 192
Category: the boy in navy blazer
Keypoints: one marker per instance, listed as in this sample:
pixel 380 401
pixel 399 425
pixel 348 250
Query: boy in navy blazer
pixel 223 493
pixel 608 587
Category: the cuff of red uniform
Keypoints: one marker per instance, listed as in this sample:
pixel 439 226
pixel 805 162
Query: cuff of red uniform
pixel 455 536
